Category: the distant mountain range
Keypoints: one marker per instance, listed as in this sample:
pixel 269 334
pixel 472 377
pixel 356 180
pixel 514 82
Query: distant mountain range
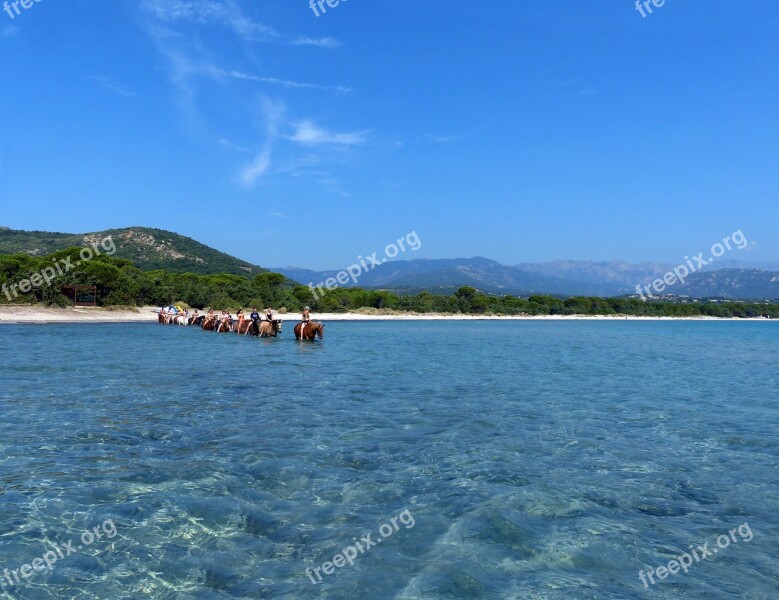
pixel 149 249
pixel 565 278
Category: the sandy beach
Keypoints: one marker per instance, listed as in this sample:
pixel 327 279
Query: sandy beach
pixel 42 314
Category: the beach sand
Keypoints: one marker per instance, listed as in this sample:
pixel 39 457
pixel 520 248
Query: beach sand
pixel 148 314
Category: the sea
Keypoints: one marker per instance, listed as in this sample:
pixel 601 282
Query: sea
pixel 391 460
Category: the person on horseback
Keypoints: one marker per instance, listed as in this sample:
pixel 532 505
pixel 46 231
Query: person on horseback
pixel 240 318
pixel 255 316
pixel 306 320
pixel 223 320
pixel 269 313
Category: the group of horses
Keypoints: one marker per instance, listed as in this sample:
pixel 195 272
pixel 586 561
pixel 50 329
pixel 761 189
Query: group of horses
pixel 243 327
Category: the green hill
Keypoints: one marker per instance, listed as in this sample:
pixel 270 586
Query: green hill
pixel 148 249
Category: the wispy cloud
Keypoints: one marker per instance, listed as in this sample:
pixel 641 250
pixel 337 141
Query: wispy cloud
pixel 326 42
pixel 113 86
pixel 8 31
pixel 306 132
pixel 228 14
pixel 259 167
pixel 441 139
pixel 210 12
pixel 273 112
pixel 233 146
pixel 183 32
pixel 287 82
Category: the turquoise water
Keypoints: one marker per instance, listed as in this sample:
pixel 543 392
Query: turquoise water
pixel 537 460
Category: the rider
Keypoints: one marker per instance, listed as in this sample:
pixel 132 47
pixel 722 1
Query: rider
pixel 255 316
pixel 306 320
pixel 240 318
pixel 269 314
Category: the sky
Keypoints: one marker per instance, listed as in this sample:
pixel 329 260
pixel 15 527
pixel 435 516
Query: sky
pixel 518 131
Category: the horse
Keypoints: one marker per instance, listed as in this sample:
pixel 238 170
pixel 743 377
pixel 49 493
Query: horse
pixel 225 327
pixel 270 328
pixel 180 319
pixel 162 317
pixel 196 320
pixel 245 327
pixel 209 324
pixel 311 331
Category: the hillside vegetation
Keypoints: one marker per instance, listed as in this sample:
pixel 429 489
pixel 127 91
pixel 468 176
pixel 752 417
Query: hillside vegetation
pixel 148 249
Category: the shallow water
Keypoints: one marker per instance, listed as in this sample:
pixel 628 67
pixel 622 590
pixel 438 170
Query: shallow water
pixel 536 459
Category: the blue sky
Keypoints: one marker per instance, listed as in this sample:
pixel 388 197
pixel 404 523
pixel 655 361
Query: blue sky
pixel 519 131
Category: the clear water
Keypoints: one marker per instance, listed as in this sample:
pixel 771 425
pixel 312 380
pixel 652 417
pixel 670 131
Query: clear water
pixel 538 459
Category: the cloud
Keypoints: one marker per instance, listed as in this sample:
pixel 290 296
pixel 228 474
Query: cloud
pixel 8 31
pixel 258 167
pixel 306 132
pixel 274 114
pixel 233 145
pixel 287 82
pixel 442 139
pixel 113 86
pixel 210 12
pixel 326 42
pixel 196 39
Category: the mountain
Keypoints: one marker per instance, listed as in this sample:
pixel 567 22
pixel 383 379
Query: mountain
pixel 564 278
pixel 147 248
pixel 151 249
pixel 616 275
pixel 446 275
pixel 736 284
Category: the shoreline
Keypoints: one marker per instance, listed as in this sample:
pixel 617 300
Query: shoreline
pixel 27 314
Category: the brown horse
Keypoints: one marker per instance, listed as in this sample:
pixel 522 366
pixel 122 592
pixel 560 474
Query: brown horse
pixel 245 327
pixel 209 324
pixel 270 328
pixel 225 327
pixel 312 330
pixel 162 318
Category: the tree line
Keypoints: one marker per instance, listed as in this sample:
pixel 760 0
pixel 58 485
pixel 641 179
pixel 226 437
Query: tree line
pixel 119 282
